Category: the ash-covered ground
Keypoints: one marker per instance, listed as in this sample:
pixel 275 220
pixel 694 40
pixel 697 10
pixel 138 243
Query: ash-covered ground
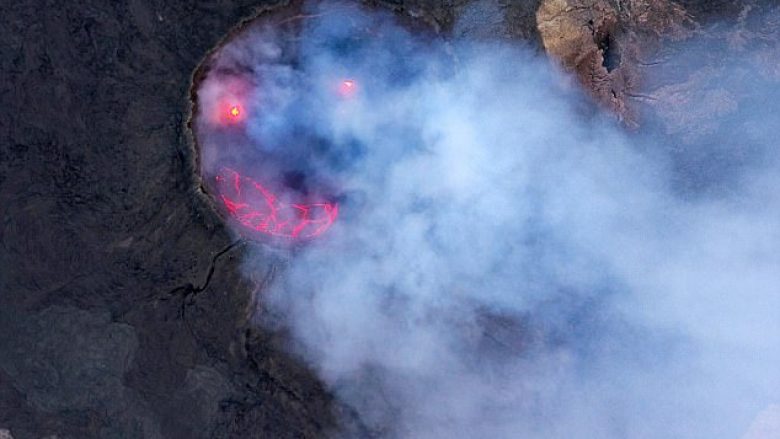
pixel 126 310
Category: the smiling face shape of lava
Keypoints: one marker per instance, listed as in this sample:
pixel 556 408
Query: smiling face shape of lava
pixel 273 116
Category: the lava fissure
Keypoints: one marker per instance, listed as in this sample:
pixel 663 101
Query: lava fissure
pixel 258 209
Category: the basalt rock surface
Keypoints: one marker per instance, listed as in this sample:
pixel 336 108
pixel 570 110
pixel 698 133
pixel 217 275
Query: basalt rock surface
pixel 121 307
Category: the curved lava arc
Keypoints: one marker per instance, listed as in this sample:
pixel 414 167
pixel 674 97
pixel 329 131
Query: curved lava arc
pixel 258 209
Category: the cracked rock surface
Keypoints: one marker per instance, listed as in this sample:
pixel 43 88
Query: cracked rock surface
pixel 122 311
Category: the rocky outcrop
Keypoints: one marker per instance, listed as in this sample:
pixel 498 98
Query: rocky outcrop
pixel 641 59
pixel 604 43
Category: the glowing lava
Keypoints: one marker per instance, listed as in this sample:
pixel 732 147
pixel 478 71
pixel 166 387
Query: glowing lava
pixel 257 209
pixel 232 113
pixel 348 87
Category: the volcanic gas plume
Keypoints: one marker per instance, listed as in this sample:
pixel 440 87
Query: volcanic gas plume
pixel 494 257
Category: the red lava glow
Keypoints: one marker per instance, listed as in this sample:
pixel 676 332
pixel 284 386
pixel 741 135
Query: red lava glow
pixel 231 112
pixel 225 101
pixel 257 209
pixel 347 88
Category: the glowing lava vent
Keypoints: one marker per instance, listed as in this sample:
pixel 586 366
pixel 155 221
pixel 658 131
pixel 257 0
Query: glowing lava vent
pixel 230 113
pixel 235 111
pixel 347 88
pixel 256 208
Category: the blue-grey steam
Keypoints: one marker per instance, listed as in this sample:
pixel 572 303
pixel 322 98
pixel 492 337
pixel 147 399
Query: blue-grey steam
pixel 506 265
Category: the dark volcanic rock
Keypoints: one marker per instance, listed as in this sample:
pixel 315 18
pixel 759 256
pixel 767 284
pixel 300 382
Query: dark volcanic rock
pixel 122 311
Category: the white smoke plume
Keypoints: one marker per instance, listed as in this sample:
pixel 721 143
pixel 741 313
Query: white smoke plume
pixel 506 264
